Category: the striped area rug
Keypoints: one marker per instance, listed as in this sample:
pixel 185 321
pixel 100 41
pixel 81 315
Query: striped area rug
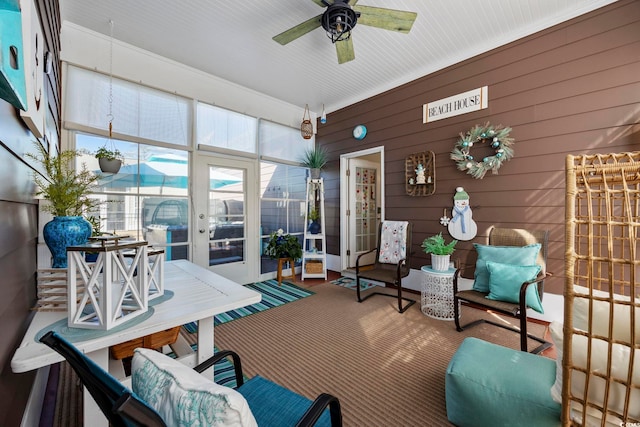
pixel 272 296
pixel 350 283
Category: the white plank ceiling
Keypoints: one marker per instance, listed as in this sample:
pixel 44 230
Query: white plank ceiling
pixel 233 40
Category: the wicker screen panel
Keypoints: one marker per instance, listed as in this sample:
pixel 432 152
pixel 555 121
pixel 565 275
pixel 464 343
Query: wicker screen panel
pixel 600 383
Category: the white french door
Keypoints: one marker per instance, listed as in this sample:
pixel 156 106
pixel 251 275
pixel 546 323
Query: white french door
pixel 364 212
pixel 226 217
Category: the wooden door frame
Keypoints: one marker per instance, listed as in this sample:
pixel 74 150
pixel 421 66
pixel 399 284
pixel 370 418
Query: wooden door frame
pixel 344 200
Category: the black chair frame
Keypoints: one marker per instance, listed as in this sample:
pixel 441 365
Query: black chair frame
pixel 124 409
pixel 519 310
pixel 402 269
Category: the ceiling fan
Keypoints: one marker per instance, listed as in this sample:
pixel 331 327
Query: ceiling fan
pixel 339 19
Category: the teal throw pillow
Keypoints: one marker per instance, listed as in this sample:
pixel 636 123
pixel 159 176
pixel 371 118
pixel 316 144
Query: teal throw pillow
pixel 514 255
pixel 505 281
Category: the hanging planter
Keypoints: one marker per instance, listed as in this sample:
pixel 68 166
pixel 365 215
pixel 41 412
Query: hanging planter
pixel 306 128
pixel 110 161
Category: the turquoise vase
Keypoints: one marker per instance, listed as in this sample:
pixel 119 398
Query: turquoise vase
pixel 65 231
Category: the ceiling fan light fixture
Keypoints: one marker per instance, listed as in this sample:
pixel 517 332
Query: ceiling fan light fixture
pixel 338 21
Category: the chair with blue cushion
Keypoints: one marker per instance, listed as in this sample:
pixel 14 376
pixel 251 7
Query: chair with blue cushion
pixel 509 277
pixel 166 392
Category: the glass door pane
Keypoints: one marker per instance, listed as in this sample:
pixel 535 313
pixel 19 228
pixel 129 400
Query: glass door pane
pixel 227 215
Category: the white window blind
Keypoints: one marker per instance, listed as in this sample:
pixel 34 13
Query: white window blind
pixel 138 111
pixel 282 142
pixel 221 128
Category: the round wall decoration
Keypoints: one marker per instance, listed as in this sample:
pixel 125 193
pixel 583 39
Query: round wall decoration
pixel 497 136
pixel 359 132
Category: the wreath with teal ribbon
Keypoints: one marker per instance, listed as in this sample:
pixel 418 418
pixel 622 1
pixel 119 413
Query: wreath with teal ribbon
pixel 497 136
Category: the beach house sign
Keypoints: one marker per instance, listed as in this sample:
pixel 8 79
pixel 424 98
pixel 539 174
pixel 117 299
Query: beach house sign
pixel 473 100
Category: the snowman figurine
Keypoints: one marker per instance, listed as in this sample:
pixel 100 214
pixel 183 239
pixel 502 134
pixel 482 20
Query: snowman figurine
pixel 462 226
pixel 420 178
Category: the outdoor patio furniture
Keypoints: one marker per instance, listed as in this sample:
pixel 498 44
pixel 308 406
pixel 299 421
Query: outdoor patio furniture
pixel 518 260
pixel 392 261
pixel 162 379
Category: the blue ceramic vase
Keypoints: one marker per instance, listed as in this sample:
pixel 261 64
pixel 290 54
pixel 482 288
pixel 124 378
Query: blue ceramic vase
pixel 314 227
pixel 65 231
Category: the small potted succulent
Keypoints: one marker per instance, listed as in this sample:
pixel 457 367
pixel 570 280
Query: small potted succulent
pixel 109 160
pixel 440 251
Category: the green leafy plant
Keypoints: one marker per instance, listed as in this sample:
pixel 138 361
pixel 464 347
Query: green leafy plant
pixel 437 246
pixel 314 158
pixel 67 189
pixel 314 215
pixel 95 225
pixel 283 245
pixel 105 153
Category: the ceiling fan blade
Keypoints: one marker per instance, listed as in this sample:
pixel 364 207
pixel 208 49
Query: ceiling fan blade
pixel 388 19
pixel 345 51
pixel 299 30
pixel 319 3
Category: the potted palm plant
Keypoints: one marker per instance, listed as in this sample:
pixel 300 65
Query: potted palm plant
pixel 439 250
pixel 67 190
pixel 314 158
pixel 110 160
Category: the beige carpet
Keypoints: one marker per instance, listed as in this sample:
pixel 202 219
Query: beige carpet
pixel 386 368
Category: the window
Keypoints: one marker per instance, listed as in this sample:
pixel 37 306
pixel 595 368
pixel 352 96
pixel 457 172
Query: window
pixel 221 128
pixel 282 204
pixel 282 142
pixel 138 111
pixel 147 199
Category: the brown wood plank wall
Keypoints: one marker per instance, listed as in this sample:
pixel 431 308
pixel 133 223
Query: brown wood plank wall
pixel 19 224
pixel 570 89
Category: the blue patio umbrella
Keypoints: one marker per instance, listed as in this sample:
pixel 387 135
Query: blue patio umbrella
pixel 162 171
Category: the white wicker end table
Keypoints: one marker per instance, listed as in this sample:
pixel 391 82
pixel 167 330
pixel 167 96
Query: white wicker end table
pixel 437 293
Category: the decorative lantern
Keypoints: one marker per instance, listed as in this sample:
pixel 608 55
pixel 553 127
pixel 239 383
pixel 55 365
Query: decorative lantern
pixel 306 128
pixel 108 293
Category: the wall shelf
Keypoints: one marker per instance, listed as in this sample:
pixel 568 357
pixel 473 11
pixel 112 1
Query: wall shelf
pixel 428 160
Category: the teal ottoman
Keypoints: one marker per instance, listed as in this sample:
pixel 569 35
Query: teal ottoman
pixel 490 385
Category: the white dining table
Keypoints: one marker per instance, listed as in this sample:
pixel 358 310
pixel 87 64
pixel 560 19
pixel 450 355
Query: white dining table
pixel 193 294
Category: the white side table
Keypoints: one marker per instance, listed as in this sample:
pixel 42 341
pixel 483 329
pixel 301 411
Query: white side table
pixel 437 293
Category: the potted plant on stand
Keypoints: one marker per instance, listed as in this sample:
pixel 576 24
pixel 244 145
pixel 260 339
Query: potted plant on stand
pixel 284 248
pixel 283 245
pixel 314 226
pixel 67 191
pixel 314 158
pixel 439 250
pixel 110 161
